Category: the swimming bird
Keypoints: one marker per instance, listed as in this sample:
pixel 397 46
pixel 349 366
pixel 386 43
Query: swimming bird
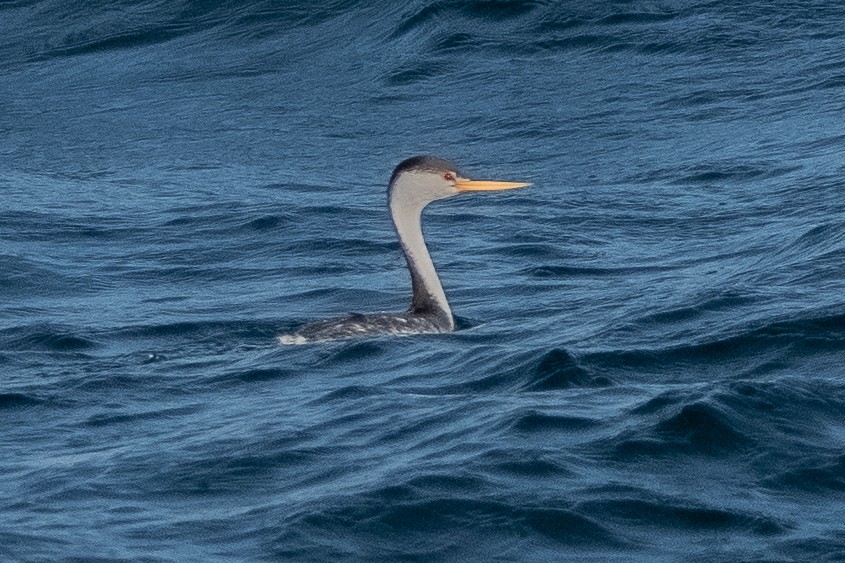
pixel 415 182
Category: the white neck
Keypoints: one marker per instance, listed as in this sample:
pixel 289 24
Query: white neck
pixel 429 297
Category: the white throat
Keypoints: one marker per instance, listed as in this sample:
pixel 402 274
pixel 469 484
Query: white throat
pixel 409 195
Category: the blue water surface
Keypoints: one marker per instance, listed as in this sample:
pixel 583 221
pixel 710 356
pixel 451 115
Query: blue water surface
pixel 652 338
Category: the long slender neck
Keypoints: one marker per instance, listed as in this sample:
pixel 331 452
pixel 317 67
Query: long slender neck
pixel 429 297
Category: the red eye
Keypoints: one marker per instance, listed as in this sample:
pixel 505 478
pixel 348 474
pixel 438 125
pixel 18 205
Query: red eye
pixel 448 176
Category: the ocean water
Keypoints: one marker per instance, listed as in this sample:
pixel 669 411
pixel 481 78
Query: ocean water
pixel 650 361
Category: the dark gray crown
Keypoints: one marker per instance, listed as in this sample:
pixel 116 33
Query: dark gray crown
pixel 422 163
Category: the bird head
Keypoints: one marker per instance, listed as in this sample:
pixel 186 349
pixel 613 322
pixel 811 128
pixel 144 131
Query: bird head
pixel 419 180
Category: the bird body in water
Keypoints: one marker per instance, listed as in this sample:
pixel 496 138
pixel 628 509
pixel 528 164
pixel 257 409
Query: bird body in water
pixel 416 182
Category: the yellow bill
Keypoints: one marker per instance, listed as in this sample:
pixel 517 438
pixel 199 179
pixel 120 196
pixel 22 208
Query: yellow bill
pixel 466 185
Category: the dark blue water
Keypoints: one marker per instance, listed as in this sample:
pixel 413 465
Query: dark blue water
pixel 651 354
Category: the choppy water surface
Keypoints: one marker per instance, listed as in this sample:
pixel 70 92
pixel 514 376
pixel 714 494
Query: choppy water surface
pixel 650 355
